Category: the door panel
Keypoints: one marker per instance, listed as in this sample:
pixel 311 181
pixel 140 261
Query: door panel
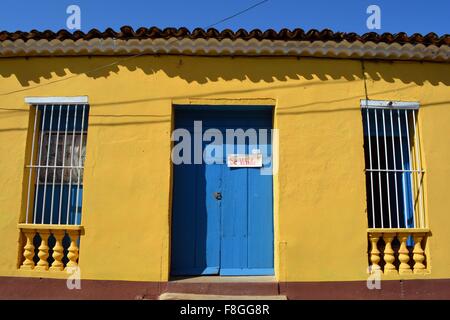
pixel 183 223
pixel 195 222
pixel 212 180
pixel 260 222
pixel 234 220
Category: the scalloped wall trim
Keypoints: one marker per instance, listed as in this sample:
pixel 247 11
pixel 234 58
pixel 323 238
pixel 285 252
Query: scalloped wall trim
pixel 225 47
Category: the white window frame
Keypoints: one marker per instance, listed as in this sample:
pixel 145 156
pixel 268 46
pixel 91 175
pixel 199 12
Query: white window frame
pixel 35 160
pixel 409 109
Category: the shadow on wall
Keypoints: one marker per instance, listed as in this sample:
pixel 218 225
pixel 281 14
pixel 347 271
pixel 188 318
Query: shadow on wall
pixel 33 70
pixel 267 73
pixel 273 69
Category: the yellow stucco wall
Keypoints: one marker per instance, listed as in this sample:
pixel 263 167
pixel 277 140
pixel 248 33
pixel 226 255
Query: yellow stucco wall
pixel 320 218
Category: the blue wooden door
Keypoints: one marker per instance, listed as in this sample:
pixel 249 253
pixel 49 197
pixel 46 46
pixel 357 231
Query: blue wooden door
pixel 222 218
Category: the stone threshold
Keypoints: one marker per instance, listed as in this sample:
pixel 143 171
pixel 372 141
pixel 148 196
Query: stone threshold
pixel 190 296
pixel 222 279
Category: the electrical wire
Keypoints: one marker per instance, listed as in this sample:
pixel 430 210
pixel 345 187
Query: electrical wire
pixel 129 57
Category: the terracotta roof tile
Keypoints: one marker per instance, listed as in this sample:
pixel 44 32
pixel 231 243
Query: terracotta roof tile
pixel 127 32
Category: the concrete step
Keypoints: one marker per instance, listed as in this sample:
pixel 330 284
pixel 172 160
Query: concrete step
pixel 191 296
pixel 226 286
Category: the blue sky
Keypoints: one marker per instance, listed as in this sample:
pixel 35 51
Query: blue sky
pixel 410 16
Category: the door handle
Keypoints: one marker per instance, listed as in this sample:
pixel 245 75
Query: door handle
pixel 218 195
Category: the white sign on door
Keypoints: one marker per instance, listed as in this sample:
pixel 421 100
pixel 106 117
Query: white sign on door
pixel 253 160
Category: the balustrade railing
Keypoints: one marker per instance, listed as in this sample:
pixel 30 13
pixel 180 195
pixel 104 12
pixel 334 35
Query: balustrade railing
pixel 49 247
pixel 398 251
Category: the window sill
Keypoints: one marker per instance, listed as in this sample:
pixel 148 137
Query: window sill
pixel 412 276
pixel 29 226
pixel 398 230
pixel 51 274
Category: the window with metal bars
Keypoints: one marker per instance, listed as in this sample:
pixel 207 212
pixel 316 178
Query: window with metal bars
pixel 56 163
pixel 394 174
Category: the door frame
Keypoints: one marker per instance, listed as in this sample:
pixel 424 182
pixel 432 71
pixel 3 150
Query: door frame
pixel 244 103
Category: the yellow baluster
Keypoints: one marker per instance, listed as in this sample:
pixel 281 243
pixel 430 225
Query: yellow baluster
pixel 374 252
pixel 58 251
pixel 28 250
pixel 418 255
pixel 388 256
pixel 403 254
pixel 43 251
pixel 73 249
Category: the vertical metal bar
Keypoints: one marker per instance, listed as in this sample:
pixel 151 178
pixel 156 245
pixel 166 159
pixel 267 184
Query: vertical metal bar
pixel 80 155
pixel 371 167
pixel 395 168
pixel 55 164
pixel 49 144
pixel 39 168
pixel 63 164
pixel 379 167
pixel 410 165
pixel 30 173
pixel 71 162
pixel 387 167
pixel 403 167
pixel 419 172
